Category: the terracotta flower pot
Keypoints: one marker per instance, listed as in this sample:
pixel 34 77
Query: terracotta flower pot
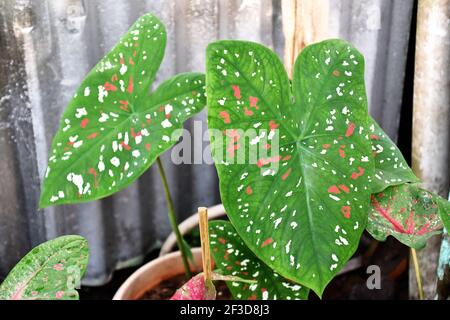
pixel 167 265
pixel 153 273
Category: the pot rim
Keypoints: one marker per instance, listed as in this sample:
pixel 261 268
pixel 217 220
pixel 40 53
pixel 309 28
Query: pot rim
pixel 189 224
pixel 125 291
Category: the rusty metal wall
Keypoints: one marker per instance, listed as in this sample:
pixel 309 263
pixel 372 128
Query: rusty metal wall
pixel 46 48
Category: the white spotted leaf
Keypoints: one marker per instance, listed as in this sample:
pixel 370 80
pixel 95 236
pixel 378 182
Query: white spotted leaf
pixel 311 189
pixel 50 271
pixel 406 212
pixel 114 128
pixel 234 258
pixel 391 167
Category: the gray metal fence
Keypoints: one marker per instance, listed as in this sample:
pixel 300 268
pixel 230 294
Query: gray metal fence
pixel 46 48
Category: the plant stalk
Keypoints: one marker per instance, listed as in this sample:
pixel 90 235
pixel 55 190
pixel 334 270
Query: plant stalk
pixel 204 238
pixel 173 220
pixel 418 274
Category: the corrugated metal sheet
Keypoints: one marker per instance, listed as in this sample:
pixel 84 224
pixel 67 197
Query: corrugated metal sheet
pixel 48 46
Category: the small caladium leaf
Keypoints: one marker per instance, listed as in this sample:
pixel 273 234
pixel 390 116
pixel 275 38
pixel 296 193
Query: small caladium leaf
pixel 50 271
pixel 114 128
pixel 391 167
pixel 234 258
pixel 196 289
pixel 310 193
pixel 407 212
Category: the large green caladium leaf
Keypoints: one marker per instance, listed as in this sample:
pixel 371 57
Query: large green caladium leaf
pixel 234 258
pixel 310 194
pixel 391 167
pixel 407 212
pixel 50 271
pixel 114 129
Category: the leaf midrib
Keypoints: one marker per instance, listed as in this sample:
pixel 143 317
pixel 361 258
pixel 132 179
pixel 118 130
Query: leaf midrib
pixel 309 210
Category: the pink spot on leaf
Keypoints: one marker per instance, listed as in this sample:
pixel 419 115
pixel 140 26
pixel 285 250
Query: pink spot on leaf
pixel 334 189
pixel 273 125
pixel 134 134
pixel 225 116
pixel 110 87
pixel 84 123
pixel 356 175
pixel 344 188
pixel 266 242
pixel 58 267
pixel 350 129
pixel 346 211
pixel 125 146
pixel 237 91
pixel 286 174
pixel 253 102
pixel 341 151
pixel 123 105
pixel 130 85
pixel 92 135
pixel 248 112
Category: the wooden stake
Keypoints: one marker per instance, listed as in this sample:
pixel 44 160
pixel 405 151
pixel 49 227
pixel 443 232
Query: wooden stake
pixel 204 239
pixel 304 22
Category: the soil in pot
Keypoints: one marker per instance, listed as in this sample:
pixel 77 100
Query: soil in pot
pixel 167 288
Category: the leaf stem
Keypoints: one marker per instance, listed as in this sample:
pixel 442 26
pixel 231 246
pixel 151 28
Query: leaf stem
pixel 204 238
pixel 173 220
pixel 418 274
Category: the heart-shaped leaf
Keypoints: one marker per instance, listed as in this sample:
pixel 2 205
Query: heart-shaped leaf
pixel 51 270
pixel 316 201
pixel 391 167
pixel 407 212
pixel 234 258
pixel 114 129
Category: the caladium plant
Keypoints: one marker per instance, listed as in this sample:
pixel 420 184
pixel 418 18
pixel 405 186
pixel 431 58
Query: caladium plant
pixel 50 271
pixel 114 128
pixel 303 218
pixel 316 204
